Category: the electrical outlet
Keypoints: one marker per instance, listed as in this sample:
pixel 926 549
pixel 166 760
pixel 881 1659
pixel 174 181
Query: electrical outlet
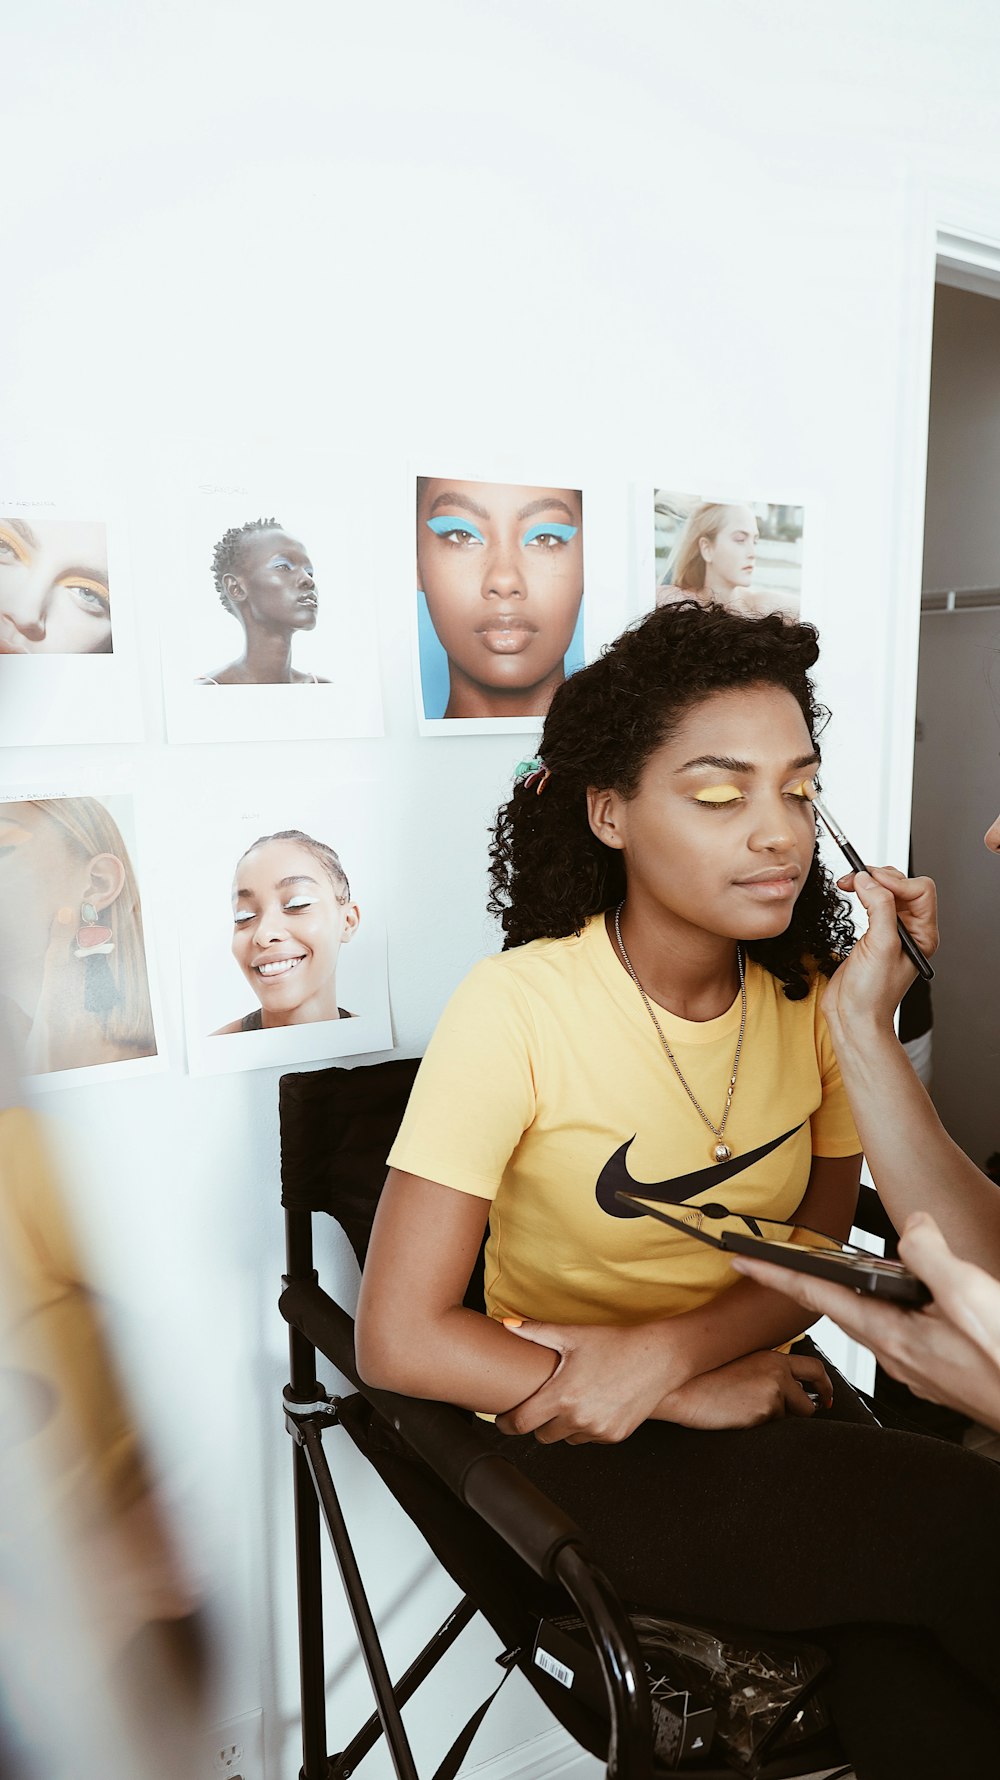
pixel 236 1749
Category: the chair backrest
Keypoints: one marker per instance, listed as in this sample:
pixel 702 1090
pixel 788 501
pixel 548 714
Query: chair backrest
pixel 337 1128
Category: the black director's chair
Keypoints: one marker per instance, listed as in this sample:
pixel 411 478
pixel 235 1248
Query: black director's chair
pixel 515 1555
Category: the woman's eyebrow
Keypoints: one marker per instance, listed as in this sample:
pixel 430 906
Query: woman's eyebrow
pixel 544 506
pixel 728 765
pixel 23 529
pixel 450 499
pixel 299 878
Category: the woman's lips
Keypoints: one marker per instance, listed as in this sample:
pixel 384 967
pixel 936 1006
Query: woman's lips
pixel 772 886
pixel 277 967
pixel 506 636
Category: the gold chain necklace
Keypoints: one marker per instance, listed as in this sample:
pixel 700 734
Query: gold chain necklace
pixel 721 1151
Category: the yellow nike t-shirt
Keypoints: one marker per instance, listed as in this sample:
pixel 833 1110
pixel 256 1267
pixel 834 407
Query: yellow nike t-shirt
pixel 545 1087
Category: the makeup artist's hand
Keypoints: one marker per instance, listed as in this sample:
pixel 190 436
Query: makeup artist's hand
pixel 876 974
pixel 948 1352
pixel 608 1380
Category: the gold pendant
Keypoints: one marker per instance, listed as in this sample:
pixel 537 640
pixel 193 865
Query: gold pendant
pixel 722 1153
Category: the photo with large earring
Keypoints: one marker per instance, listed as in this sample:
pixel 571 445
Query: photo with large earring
pixel 76 986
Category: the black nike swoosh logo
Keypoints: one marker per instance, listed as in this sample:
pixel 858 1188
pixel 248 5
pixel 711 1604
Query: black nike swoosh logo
pixel 615 1177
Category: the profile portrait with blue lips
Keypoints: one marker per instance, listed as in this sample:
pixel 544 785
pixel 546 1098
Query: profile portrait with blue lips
pixel 500 591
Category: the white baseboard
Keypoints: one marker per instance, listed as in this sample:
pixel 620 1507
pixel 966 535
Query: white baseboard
pixel 544 1757
pixel 553 1753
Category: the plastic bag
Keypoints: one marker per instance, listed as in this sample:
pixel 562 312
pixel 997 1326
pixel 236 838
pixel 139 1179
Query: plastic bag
pixel 764 1695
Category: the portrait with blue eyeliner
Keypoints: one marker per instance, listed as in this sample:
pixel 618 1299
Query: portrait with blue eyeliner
pixel 265 579
pixel 500 596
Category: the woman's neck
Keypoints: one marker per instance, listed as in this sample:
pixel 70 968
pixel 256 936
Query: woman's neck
pixel 267 656
pixel 321 1006
pixel 691 973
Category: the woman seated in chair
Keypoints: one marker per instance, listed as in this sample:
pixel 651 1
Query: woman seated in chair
pixel 654 1026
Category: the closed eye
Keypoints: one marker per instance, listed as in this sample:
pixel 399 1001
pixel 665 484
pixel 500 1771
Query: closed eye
pixel 718 796
pixel 299 902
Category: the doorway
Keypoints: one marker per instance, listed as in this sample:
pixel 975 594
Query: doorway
pixel 956 784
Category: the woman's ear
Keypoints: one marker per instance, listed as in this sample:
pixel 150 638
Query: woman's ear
pixel 106 880
pixel 705 546
pixel 352 921
pixel 235 589
pixel 604 813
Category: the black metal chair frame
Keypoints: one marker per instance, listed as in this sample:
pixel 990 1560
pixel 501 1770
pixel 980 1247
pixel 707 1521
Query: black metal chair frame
pixel 457 1450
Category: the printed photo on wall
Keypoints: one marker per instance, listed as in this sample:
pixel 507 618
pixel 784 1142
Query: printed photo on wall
pixel 77 993
pixel 741 553
pixel 500 614
pixel 284 959
pixel 271 632
pixel 67 651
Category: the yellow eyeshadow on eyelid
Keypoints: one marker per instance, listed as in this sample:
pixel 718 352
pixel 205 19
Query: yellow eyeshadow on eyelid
pixel 718 794
pixel 16 544
pixel 84 581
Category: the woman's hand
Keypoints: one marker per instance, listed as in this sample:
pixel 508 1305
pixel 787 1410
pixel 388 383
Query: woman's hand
pixel 876 974
pixel 609 1379
pixel 949 1352
pixel 757 1388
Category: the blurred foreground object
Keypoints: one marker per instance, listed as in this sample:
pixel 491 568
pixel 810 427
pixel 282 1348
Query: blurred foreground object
pixel 101 1667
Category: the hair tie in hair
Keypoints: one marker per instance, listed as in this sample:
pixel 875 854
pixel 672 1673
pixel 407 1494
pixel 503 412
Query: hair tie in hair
pixel 533 773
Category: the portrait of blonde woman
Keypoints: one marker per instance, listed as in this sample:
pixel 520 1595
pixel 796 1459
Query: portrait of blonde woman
pixel 75 982
pixel 740 554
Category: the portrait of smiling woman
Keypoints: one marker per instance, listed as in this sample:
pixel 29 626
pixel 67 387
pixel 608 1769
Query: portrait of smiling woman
pixel 500 567
pixel 292 912
pixel 54 597
pixel 265 579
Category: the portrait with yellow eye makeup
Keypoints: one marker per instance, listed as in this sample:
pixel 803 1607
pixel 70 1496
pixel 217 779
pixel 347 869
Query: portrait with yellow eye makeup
pixel 746 555
pixel 288 962
pixel 54 587
pixel 499 598
pixel 75 980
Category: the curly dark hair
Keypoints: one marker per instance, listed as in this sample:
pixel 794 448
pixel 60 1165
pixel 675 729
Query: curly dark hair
pixel 227 555
pixel 548 870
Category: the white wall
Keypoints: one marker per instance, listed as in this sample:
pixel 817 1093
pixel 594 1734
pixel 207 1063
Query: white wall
pixel 688 245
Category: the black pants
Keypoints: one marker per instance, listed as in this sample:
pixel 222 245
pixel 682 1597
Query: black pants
pixel 883 1547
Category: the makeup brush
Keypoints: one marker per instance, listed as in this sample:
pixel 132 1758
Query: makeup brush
pixel 855 860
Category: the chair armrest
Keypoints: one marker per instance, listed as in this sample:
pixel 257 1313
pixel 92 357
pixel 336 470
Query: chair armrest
pixel 453 1443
